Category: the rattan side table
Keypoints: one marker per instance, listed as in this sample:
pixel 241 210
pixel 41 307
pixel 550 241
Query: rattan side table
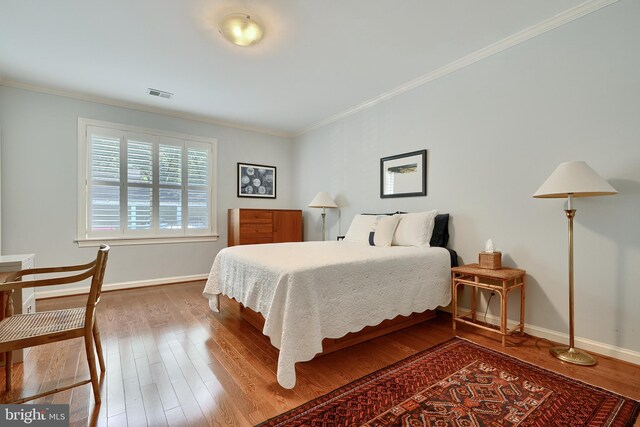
pixel 501 281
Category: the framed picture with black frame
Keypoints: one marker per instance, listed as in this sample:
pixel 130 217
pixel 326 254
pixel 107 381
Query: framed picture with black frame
pixel 404 175
pixel 257 181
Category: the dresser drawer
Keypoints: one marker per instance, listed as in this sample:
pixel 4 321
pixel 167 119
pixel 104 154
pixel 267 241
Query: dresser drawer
pixel 256 217
pixel 257 229
pixel 255 226
pixel 255 240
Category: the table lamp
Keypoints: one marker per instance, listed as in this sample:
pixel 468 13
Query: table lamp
pixel 323 200
pixel 573 179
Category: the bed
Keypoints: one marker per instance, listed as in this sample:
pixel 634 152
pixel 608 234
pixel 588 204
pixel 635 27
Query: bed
pixel 311 291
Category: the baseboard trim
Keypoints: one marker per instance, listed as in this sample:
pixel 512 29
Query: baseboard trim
pixel 560 337
pixel 533 330
pixel 82 290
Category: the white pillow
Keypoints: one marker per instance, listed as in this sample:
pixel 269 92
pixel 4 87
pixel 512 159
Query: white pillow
pixel 415 229
pixel 374 230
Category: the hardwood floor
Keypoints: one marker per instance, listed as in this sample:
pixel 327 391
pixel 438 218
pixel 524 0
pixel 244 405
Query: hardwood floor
pixel 170 361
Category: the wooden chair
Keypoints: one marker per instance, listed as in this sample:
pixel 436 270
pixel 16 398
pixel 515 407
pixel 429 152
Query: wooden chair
pixel 28 330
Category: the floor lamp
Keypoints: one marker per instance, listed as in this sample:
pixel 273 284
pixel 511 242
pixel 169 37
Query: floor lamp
pixel 323 200
pixel 573 179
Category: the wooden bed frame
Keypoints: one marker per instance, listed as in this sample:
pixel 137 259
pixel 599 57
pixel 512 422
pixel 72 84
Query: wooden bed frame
pixel 330 345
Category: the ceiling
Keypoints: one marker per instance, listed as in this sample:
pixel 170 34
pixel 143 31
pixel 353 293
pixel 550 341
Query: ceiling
pixel 318 57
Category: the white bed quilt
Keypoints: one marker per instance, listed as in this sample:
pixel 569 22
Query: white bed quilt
pixel 314 290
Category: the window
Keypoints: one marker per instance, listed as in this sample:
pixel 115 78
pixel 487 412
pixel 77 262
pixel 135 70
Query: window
pixel 144 186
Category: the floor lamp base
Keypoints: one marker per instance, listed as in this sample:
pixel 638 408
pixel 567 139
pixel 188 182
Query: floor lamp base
pixel 573 355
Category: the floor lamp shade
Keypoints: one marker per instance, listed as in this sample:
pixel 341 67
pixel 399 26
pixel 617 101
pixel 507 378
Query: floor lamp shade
pixel 576 179
pixel 573 179
pixel 323 200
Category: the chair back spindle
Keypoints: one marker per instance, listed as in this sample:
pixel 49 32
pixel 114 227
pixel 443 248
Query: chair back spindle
pixel 8 310
pixel 96 286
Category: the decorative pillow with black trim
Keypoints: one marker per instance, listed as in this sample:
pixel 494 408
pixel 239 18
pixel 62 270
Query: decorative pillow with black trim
pixel 372 230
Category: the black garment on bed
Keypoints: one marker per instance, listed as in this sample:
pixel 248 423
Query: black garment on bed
pixel 454 257
pixel 440 235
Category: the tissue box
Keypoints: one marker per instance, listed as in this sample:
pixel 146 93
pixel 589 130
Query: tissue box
pixel 490 260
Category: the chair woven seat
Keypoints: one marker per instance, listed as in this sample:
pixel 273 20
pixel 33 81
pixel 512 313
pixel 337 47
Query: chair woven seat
pixel 21 326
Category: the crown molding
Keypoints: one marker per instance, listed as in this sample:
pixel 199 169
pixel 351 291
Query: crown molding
pixel 556 21
pixel 138 107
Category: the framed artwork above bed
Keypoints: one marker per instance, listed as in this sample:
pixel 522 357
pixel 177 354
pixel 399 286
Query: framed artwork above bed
pixel 258 181
pixel 404 175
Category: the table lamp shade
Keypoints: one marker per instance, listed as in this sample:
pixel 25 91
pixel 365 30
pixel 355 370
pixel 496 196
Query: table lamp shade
pixel 322 200
pixel 574 178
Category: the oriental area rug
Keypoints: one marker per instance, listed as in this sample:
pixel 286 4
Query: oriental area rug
pixel 459 383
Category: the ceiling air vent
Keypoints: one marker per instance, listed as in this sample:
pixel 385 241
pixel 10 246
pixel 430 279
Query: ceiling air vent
pixel 160 93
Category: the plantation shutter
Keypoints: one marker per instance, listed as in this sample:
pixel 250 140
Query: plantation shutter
pixel 170 188
pixel 147 185
pixel 104 181
pixel 199 194
pixel 139 186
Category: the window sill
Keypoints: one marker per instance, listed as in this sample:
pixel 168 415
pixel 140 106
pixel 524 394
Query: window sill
pixel 128 241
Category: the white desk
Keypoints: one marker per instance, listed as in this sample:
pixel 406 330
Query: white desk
pixel 25 301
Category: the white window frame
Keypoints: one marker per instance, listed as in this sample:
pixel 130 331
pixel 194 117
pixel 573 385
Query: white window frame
pixel 155 236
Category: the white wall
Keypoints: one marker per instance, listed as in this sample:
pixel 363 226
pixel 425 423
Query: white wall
pixel 39 174
pixel 494 132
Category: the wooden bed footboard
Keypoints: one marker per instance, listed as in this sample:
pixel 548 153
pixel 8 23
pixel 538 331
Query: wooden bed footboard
pixel 330 345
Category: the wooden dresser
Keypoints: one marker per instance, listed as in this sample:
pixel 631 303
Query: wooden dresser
pixel 252 226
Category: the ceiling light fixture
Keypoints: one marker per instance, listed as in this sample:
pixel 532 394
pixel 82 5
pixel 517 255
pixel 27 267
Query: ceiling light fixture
pixel 240 29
